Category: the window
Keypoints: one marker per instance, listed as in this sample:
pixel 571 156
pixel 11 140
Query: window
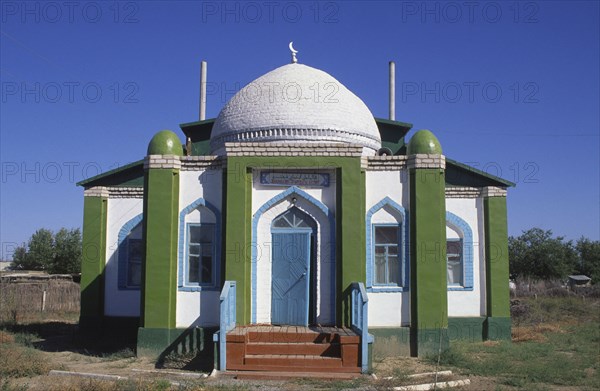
pixel 134 262
pixel 201 254
pixel 454 256
pixel 387 270
pixel 293 218
pixel 459 253
pixel 130 252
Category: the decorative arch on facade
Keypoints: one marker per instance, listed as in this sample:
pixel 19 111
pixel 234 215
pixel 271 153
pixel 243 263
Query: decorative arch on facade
pixel 404 249
pixel 268 206
pixel 466 234
pixel 199 203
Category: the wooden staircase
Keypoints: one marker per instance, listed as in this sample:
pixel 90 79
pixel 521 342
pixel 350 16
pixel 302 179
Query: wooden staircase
pixel 293 349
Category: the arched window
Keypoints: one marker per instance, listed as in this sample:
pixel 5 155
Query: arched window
pixel 200 254
pixel 199 247
pixel 130 252
pixel 459 253
pixel 387 243
pixel 294 218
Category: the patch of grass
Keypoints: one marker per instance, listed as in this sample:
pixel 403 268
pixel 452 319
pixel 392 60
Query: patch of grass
pixel 400 374
pixel 26 339
pixel 21 361
pixel 321 384
pixel 119 355
pixel 558 346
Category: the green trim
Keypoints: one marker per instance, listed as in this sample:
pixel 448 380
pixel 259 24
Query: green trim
pixel 158 343
pixel 238 206
pixel 429 301
pixel 161 215
pixel 350 232
pixel 497 328
pixel 199 133
pixel 466 328
pixel 460 174
pixel 93 260
pixel 130 175
pixel 399 124
pixel 186 126
pixel 392 134
pixel 496 257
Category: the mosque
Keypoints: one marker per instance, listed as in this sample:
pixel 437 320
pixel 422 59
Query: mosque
pixel 296 231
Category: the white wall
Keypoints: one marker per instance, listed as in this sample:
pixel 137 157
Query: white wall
pixel 387 309
pixel 325 265
pixel 119 302
pixel 469 303
pixel 199 308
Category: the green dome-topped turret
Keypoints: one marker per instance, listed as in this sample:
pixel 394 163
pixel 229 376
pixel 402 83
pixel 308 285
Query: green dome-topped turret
pixel 165 142
pixel 424 142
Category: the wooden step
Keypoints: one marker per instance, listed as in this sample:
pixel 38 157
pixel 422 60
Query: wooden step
pixel 299 361
pixel 269 375
pixel 279 368
pixel 291 337
pixel 303 348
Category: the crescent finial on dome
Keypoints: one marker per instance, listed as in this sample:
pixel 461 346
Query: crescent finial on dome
pixel 294 51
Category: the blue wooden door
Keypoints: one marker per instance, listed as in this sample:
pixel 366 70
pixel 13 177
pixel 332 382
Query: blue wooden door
pixel 290 278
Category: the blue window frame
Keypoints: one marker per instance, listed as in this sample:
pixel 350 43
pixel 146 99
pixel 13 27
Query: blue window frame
pixel 130 251
pixel 454 257
pixel 201 255
pixel 387 255
pixel 134 263
pixel 387 259
pixel 459 254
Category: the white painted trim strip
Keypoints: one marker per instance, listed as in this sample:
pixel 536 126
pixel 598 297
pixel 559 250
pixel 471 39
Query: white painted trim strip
pixel 425 374
pixel 432 386
pixel 100 376
pixel 175 373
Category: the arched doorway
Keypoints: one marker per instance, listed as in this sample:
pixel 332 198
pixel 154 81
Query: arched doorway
pixel 293 236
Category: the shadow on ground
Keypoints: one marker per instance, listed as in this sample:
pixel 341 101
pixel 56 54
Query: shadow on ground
pixel 64 336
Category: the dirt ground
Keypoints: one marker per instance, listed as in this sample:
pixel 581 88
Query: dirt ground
pixel 65 353
pixel 60 345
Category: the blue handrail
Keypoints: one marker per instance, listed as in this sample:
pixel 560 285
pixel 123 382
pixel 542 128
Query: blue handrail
pixel 227 320
pixel 360 321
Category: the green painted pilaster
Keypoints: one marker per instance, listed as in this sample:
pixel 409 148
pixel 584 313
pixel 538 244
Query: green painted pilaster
pixel 428 285
pixel 159 291
pixel 498 324
pixel 93 261
pixel 350 235
pixel 238 218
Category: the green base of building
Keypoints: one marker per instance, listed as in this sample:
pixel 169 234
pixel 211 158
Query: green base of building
pixel 497 329
pixel 428 342
pixel 396 341
pixel 466 329
pixel 160 343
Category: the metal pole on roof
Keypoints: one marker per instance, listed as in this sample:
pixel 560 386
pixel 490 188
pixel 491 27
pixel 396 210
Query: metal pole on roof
pixel 392 91
pixel 203 67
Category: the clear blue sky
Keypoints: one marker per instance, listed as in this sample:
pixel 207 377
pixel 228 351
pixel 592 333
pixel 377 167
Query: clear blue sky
pixel 509 87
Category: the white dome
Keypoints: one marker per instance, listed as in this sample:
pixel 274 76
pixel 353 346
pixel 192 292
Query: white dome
pixel 295 103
